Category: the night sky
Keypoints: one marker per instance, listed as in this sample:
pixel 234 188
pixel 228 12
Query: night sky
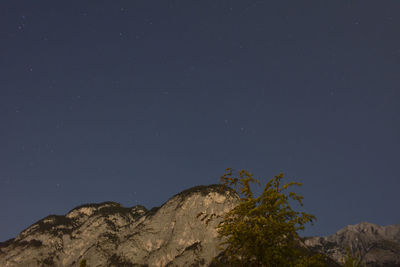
pixel 135 101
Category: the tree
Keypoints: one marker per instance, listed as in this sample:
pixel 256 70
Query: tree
pixel 82 263
pixel 262 231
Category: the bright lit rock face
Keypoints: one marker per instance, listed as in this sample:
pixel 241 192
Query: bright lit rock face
pixel 182 232
pixel 377 245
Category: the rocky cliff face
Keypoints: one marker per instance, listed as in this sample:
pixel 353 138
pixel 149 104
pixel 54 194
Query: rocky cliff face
pixel 377 245
pixel 179 233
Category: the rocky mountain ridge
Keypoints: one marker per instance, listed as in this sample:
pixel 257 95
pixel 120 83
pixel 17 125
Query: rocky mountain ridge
pixel 182 232
pixel 377 245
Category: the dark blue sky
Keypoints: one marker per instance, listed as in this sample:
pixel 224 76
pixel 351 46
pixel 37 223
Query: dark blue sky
pixel 134 101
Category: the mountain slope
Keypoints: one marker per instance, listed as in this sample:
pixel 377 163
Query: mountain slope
pixel 179 233
pixel 182 232
pixel 377 245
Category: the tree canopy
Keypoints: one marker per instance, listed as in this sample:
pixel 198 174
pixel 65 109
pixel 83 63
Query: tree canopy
pixel 262 231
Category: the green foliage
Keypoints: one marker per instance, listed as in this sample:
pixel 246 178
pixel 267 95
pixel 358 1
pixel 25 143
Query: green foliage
pixel 351 260
pixel 82 263
pixel 262 231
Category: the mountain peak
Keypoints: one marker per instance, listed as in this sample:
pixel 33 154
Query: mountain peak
pixel 377 245
pixel 181 231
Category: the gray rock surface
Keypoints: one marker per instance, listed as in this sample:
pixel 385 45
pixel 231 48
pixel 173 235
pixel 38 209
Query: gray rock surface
pixel 182 232
pixel 179 233
pixel 377 245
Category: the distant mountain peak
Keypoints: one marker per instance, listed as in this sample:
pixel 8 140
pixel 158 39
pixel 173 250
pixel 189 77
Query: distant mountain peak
pixel 377 245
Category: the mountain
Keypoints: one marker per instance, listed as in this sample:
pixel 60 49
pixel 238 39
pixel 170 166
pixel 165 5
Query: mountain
pixel 182 232
pixel 377 245
pixel 179 233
